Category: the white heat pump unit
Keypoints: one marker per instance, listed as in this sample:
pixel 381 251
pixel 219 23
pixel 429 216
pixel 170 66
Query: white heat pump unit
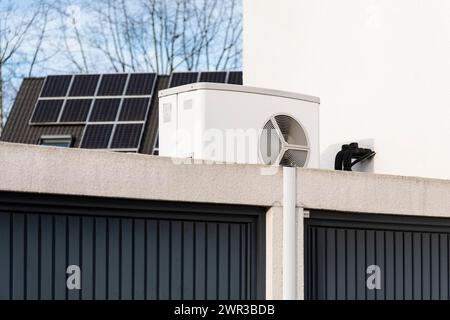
pixel 239 124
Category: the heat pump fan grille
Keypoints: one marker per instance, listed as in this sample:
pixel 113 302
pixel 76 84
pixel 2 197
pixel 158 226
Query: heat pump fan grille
pixel 291 130
pixel 270 143
pixel 294 158
pixel 284 142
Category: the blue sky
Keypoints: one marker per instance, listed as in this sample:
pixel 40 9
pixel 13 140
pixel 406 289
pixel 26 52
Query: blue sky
pixel 25 3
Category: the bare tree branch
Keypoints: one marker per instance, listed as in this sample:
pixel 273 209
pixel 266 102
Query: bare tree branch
pixel 14 28
pixel 159 36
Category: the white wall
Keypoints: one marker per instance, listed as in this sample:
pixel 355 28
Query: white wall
pixel 381 69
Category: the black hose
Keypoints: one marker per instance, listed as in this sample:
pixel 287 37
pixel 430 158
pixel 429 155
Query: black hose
pixel 343 160
pixel 338 160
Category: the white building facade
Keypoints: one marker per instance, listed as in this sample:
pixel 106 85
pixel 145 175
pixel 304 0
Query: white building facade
pixel 381 69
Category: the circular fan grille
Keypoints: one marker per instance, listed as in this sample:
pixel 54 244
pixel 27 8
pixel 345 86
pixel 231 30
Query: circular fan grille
pixel 284 141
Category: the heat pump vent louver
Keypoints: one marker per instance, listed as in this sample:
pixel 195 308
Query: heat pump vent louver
pixel 294 158
pixel 292 131
pixel 284 142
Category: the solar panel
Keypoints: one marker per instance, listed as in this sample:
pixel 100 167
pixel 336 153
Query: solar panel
pixel 127 136
pixel 97 136
pixel 76 110
pixel 134 93
pixel 56 86
pixel 84 85
pixel 182 78
pixel 141 84
pixel 112 85
pixel 235 77
pixel 47 111
pixel 218 77
pixel 134 109
pixel 104 110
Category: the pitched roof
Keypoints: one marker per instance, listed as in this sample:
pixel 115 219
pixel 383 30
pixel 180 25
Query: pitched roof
pixel 19 130
pixel 17 127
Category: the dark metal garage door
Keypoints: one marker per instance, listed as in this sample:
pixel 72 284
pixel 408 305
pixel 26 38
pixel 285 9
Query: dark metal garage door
pixel 129 249
pixel 346 253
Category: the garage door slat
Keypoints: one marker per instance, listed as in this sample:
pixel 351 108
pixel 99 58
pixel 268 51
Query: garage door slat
pixel 188 261
pixel 46 268
pixel 74 252
pixel 152 259
pixel 212 261
pixel 32 263
pixel 18 257
pixel 176 261
pixel 164 254
pixel 100 259
pixel 200 244
pixel 126 255
pixel 87 258
pixel 5 253
pixel 114 258
pixel 139 260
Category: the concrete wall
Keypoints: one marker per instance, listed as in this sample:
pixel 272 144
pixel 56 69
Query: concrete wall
pixel 34 169
pixel 380 68
pixel 27 168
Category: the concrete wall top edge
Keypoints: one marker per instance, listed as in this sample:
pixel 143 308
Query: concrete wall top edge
pixel 26 168
pixel 35 169
pixel 373 193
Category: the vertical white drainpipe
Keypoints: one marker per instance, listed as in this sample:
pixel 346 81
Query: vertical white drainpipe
pixel 289 233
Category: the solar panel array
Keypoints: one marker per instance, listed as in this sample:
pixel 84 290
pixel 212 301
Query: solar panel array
pixel 182 78
pixel 113 107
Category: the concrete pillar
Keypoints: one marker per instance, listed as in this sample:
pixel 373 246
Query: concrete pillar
pixel 274 253
pixel 300 254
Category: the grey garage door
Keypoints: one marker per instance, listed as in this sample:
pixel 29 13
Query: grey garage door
pixel 346 253
pixel 129 249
